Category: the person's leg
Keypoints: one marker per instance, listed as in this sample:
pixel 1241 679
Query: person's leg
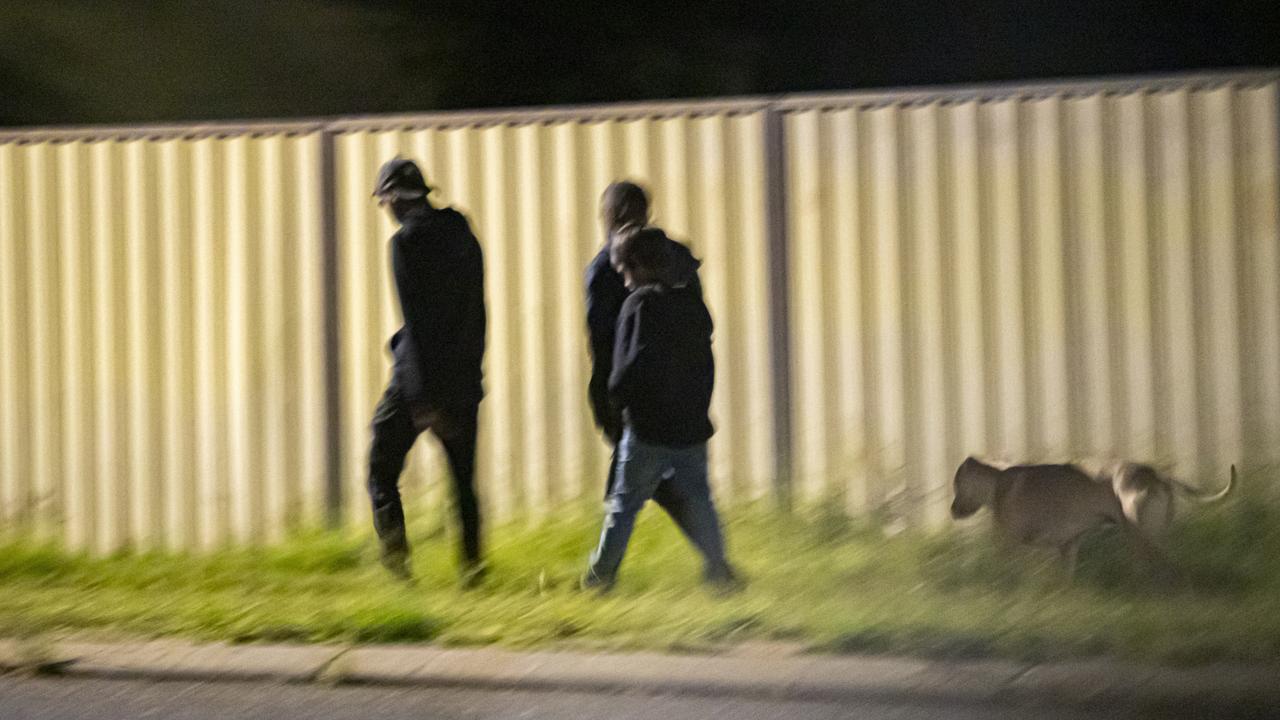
pixel 457 429
pixel 393 434
pixel 689 502
pixel 613 472
pixel 639 469
pixel 672 503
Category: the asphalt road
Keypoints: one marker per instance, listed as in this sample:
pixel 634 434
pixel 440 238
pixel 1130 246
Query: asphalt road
pixel 53 698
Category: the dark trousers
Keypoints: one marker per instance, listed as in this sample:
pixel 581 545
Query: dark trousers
pixel 396 426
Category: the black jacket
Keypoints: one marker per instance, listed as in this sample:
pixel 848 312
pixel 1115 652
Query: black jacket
pixel 663 369
pixel 439 276
pixel 605 295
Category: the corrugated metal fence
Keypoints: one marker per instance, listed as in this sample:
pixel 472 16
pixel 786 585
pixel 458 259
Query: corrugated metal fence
pixel 1038 275
pixel 161 326
pixel 193 319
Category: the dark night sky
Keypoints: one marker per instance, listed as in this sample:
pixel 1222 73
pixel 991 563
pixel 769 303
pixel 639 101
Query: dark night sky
pixel 85 61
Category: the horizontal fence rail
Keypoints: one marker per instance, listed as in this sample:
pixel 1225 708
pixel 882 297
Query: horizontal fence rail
pixel 193 318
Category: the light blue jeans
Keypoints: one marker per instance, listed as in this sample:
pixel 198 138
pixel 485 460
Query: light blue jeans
pixel 679 477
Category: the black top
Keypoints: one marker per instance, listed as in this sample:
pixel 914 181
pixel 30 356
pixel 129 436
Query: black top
pixel 605 295
pixel 663 369
pixel 439 276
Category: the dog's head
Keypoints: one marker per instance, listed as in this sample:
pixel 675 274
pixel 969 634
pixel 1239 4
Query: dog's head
pixel 1145 497
pixel 975 487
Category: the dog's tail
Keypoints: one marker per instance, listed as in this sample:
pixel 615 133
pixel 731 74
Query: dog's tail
pixel 1203 497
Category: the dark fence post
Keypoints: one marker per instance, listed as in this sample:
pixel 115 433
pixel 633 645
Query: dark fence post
pixel 775 157
pixel 333 499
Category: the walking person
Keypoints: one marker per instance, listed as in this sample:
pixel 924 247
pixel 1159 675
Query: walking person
pixel 662 377
pixel 623 204
pixel 436 379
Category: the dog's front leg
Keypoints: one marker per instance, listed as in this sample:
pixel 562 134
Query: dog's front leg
pixel 1069 552
pixel 1161 568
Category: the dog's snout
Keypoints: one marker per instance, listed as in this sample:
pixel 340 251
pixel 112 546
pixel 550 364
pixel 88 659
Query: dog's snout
pixel 960 511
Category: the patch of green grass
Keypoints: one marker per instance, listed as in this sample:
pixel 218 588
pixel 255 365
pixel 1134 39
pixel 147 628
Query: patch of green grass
pixel 829 583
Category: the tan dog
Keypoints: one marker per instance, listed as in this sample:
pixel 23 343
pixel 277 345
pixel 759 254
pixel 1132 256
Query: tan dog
pixel 1056 505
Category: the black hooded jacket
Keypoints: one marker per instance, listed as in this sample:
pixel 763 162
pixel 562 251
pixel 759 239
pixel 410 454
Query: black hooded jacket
pixel 439 275
pixel 663 369
pixel 605 295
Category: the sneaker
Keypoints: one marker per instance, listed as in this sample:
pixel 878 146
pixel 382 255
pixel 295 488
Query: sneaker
pixel 398 565
pixel 473 576
pixel 723 581
pixel 591 582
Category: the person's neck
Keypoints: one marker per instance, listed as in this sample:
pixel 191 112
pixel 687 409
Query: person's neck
pixel 413 210
pixel 610 233
pixel 649 279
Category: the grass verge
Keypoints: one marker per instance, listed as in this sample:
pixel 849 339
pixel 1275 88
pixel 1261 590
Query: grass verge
pixel 826 582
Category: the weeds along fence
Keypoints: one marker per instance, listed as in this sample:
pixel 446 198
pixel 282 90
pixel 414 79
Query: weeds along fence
pixel 193 318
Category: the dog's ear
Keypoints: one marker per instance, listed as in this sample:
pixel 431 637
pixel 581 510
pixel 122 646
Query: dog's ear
pixel 977 467
pixel 1131 478
pixel 973 487
pixel 1136 486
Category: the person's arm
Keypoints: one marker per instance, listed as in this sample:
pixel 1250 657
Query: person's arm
pixel 630 356
pixel 602 319
pixel 471 302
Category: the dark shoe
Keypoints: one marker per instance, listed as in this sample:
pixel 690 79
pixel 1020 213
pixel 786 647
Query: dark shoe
pixel 723 581
pixel 397 563
pixel 388 522
pixel 473 575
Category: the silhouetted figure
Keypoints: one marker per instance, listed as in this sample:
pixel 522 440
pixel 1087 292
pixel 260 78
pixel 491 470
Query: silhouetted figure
pixel 662 377
pixel 436 382
pixel 623 204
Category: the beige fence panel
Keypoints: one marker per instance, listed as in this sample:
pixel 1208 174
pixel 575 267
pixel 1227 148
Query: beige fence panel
pixel 1260 257
pixel 1032 275
pixel 162 340
pixel 531 191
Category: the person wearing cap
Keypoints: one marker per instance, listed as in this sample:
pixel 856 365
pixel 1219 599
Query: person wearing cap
pixel 438 269
pixel 624 203
pixel 662 378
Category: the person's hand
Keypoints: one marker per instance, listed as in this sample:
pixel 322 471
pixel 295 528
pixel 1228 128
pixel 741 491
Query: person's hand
pixel 613 431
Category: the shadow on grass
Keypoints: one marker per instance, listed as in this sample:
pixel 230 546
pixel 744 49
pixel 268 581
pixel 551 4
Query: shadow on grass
pixel 402 626
pixel 947 645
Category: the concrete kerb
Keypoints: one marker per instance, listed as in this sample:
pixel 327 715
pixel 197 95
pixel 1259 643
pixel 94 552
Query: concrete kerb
pixel 1100 683
pixel 802 678
pixel 1109 683
pixel 1103 684
pixel 180 660
pixel 29 654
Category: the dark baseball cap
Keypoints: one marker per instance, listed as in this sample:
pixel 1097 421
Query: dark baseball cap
pixel 401 177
